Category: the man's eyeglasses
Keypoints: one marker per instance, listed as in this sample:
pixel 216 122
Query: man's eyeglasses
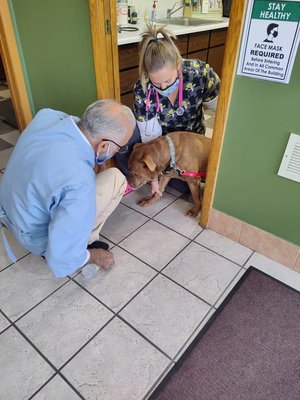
pixel 122 149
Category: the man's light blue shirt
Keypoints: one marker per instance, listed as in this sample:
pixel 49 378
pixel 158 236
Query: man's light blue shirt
pixel 47 193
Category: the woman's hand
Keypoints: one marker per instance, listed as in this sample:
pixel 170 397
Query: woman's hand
pixel 155 188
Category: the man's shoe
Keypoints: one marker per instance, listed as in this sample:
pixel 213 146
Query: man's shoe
pixel 98 245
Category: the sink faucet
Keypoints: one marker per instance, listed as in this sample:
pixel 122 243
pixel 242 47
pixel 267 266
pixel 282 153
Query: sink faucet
pixel 171 11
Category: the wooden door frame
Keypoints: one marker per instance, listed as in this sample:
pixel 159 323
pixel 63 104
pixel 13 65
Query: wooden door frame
pixel 234 34
pixel 13 68
pixel 105 46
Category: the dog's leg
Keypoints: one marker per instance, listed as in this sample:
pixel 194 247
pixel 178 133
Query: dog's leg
pixel 148 202
pixel 194 185
pixel 163 181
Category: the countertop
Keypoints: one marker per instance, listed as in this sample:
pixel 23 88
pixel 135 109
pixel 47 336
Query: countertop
pixel 134 37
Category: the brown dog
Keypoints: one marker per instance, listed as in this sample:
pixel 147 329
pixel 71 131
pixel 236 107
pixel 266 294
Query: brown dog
pixel 151 160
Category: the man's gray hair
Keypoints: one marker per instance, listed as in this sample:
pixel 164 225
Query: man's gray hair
pixel 100 121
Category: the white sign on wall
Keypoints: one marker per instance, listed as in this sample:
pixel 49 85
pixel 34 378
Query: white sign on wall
pixel 270 40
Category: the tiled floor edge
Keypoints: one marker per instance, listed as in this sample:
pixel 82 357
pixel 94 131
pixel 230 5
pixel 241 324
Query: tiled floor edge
pixel 269 245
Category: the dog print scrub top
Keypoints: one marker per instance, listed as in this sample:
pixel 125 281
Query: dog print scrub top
pixel 200 84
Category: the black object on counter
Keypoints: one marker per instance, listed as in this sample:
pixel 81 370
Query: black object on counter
pixel 133 17
pixel 226 8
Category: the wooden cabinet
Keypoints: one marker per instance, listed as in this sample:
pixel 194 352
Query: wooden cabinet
pixel 209 47
pixel 182 44
pixel 128 55
pixel 128 77
pixel 215 58
pixel 206 46
pixel 198 41
pixel 218 37
pixel 216 50
pixel 129 71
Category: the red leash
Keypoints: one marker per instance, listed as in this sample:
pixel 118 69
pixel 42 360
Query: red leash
pixel 188 173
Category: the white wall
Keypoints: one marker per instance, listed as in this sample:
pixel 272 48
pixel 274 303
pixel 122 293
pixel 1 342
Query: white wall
pixel 143 6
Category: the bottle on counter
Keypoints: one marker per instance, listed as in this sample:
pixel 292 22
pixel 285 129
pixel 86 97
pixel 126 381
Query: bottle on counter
pixel 153 11
pixel 133 15
pixel 129 14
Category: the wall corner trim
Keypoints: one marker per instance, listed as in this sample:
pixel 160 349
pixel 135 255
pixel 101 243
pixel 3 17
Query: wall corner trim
pixel 268 245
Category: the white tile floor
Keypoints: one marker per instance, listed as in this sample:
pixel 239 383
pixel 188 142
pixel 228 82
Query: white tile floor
pixel 115 336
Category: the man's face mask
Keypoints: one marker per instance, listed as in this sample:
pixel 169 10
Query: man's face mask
pixel 101 159
pixel 275 33
pixel 168 90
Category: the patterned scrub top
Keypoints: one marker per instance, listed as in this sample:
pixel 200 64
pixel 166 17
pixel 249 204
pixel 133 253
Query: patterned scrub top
pixel 200 84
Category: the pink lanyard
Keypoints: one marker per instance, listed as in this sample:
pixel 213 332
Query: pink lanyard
pixel 180 97
pixel 148 100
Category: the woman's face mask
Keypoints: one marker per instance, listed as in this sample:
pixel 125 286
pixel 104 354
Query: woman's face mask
pixel 101 159
pixel 168 90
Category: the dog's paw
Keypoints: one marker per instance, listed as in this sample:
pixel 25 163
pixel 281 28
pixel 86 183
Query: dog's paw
pixel 149 201
pixel 146 202
pixel 192 212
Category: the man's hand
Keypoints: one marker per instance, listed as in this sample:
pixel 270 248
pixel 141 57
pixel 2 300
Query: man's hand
pixel 103 258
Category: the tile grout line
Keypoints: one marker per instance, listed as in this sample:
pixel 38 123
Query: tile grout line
pixel 171 229
pixel 159 272
pixel 41 355
pixel 218 254
pixel 12 263
pixel 144 337
pixel 41 301
pixel 86 343
pixel 158 212
pixel 117 314
pixel 57 373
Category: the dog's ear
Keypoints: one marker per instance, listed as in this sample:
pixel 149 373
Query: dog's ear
pixel 136 145
pixel 148 160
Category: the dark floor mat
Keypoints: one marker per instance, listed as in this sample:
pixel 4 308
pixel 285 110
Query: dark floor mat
pixel 249 350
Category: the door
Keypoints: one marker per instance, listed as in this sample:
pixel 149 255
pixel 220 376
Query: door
pixel 13 69
pixel 104 40
pixel 105 46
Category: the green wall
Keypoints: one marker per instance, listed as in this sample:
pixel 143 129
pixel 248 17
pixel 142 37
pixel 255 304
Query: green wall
pixel 261 117
pixel 55 43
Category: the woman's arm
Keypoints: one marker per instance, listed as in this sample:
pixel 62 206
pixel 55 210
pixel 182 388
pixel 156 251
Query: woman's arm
pixel 145 115
pixel 149 129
